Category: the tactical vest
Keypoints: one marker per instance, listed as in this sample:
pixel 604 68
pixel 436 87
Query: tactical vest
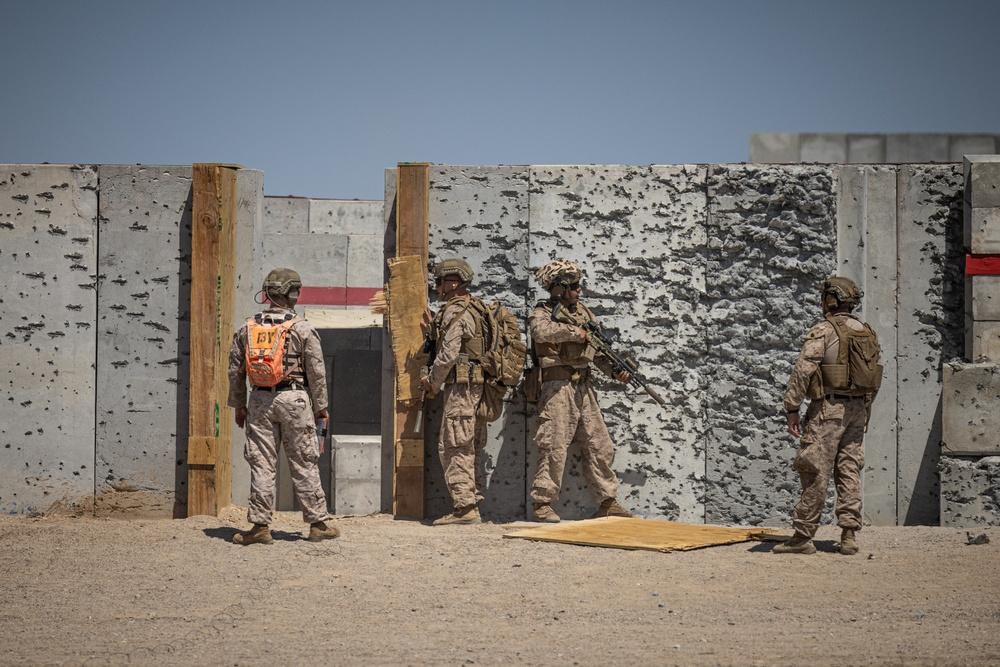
pixel 857 371
pixel 472 347
pixel 571 353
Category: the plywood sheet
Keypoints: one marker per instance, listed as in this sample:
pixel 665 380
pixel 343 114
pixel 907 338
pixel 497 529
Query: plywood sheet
pixel 407 299
pixel 635 533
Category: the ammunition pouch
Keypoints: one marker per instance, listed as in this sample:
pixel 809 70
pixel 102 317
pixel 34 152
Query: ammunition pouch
pixel 465 372
pixel 533 384
pixel 834 377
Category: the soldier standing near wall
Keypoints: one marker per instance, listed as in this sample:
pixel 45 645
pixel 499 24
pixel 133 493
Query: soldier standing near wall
pixel 457 336
pixel 280 412
pixel 838 369
pixel 567 406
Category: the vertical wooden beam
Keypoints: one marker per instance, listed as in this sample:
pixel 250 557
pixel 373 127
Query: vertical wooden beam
pixel 213 251
pixel 412 213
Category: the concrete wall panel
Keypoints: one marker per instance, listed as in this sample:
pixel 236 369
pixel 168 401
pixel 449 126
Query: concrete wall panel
pixel 143 324
pixel 866 253
pixel 320 259
pixel 771 240
pixel 364 260
pixel 931 326
pixel 865 148
pixel 337 216
pixel 638 233
pixel 971 144
pixel 48 247
pixel 481 214
pixel 774 147
pixel 251 211
pixel 913 148
pixel 830 148
pixel 286 215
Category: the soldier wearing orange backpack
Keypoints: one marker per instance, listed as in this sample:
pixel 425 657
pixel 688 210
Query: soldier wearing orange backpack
pixel 281 354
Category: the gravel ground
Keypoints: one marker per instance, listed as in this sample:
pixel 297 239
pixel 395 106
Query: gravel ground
pixel 180 592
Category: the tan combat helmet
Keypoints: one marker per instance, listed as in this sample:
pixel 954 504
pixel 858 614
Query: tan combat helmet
pixel 838 291
pixel 281 282
pixel 456 266
pixel 556 276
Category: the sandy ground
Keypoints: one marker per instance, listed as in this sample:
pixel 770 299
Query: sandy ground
pixel 180 592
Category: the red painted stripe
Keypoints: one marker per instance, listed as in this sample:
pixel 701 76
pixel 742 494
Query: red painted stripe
pixel 982 265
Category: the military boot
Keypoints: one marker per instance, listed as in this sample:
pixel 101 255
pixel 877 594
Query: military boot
pixel 848 542
pixel 545 514
pixel 320 531
pixel 462 515
pixel 610 507
pixel 259 534
pixel 797 544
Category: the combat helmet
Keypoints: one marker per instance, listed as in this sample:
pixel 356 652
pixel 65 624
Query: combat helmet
pixel 556 276
pixel 839 290
pixel 456 266
pixel 281 282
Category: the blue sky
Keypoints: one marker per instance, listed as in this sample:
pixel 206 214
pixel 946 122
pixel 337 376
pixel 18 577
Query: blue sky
pixel 324 96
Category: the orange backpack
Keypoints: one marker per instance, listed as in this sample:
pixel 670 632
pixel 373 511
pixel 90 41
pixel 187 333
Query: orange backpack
pixel 266 343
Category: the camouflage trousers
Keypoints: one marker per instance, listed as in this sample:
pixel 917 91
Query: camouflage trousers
pixel 283 418
pixel 461 444
pixel 831 444
pixel 569 413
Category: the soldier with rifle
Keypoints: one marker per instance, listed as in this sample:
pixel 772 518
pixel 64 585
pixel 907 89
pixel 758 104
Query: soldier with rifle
pixel 564 345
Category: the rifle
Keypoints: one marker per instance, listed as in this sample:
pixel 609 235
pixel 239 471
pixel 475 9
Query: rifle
pixel 597 339
pixel 430 349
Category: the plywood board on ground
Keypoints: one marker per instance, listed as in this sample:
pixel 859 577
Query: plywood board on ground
pixel 635 533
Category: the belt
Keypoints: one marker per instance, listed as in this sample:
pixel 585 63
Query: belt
pixel 844 397
pixel 284 386
pixel 574 375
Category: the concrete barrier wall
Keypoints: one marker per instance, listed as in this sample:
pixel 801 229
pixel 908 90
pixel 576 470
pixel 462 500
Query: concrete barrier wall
pixel 833 148
pixel 709 274
pixel 96 338
pixel 48 345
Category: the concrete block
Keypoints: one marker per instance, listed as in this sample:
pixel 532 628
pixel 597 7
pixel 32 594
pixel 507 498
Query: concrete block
pixel 48 336
pixel 970 491
pixel 778 147
pixel 364 260
pixel 356 456
pixel 865 148
pixel 286 215
pixel 916 148
pixel 143 346
pixel 357 473
pixel 352 217
pixel 827 148
pixel 982 340
pixel 357 497
pixel 981 230
pixel 320 259
pixel 982 180
pixel 971 144
pixel 970 420
pixel 982 297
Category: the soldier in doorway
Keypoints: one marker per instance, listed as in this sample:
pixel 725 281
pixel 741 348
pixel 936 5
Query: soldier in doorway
pixel 838 369
pixel 281 353
pixel 567 406
pixel 457 336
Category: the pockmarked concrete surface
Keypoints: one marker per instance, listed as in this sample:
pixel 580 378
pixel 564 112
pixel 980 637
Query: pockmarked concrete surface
pixel 85 591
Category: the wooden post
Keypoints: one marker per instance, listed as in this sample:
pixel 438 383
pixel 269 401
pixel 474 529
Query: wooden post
pixel 210 421
pixel 412 213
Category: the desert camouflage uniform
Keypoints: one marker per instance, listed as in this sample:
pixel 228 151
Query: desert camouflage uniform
pixel 832 435
pixel 282 418
pixel 463 435
pixel 567 408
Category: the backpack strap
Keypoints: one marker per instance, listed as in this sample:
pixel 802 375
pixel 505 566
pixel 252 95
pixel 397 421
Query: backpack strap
pixel 842 336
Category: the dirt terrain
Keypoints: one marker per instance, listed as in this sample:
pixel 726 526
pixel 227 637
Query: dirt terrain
pixel 85 591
